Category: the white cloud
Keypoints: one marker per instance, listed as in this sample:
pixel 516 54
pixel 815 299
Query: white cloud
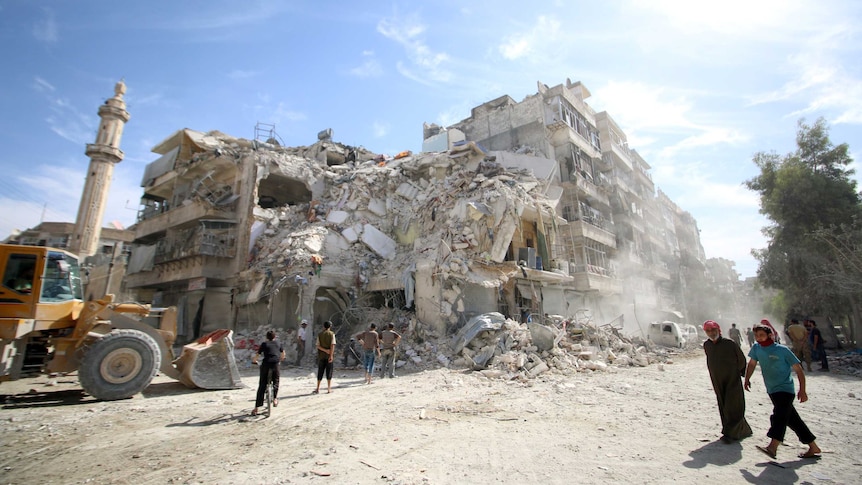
pixel 380 129
pixel 645 112
pixel 283 113
pixel 635 106
pixel 545 32
pixel 42 85
pixel 370 67
pixel 719 239
pixel 45 30
pixel 428 64
pixel 740 19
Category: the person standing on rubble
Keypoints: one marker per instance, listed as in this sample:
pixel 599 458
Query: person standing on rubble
pixel 300 341
pixel 726 364
pixel 325 355
pixel 390 340
pixel 273 353
pixel 736 335
pixel 371 348
pixel 776 361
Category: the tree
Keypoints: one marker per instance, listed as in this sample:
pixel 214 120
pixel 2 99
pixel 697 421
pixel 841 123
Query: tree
pixel 801 193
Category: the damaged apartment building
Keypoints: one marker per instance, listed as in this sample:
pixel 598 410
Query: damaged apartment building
pixel 537 207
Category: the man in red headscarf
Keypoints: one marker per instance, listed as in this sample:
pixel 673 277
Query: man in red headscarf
pixel 726 364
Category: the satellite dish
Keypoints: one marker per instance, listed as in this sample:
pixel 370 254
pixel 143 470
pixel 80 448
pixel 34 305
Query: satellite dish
pixel 325 135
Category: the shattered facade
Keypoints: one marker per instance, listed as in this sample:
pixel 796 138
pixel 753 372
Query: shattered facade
pixel 619 242
pixel 526 209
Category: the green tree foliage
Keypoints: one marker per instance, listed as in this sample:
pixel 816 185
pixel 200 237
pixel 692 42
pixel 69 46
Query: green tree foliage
pixel 801 193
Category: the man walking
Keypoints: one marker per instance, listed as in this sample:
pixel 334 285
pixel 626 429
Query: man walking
pixel 776 361
pixel 371 348
pixel 300 341
pixel 749 334
pixel 325 354
pixel 736 335
pixel 817 345
pixel 799 342
pixel 726 364
pixel 390 340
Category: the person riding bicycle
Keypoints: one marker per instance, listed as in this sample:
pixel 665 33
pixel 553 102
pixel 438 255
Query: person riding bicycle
pixel 273 353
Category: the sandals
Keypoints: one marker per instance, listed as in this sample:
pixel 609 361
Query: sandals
pixel 315 392
pixel 254 412
pixel 808 454
pixel 767 451
pixel 275 403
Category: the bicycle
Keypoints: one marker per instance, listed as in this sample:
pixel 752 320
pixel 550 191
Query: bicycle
pixel 268 395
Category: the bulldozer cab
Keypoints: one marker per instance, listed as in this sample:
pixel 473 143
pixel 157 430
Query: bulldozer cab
pixel 39 284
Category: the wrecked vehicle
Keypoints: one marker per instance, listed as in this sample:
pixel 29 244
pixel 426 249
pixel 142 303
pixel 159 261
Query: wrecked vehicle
pixel 668 334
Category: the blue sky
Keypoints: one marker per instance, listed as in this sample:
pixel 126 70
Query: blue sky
pixel 699 87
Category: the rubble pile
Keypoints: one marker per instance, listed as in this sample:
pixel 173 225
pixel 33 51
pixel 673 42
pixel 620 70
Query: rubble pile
pixel 848 363
pixel 369 218
pixel 505 348
pixel 495 346
pixel 375 219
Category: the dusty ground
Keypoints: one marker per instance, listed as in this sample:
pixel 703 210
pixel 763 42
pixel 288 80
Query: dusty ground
pixel 657 424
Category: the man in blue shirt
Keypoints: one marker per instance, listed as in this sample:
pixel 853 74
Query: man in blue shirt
pixel 776 362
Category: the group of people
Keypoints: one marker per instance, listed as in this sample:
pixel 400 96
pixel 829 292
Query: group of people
pixel 381 345
pixel 807 342
pixel 374 345
pixel 730 374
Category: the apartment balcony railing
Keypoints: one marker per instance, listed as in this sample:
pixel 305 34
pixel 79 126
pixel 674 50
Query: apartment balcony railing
pixel 587 279
pixel 599 231
pixel 636 222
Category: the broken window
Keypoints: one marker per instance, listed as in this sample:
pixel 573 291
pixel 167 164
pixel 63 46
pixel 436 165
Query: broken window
pixel 278 191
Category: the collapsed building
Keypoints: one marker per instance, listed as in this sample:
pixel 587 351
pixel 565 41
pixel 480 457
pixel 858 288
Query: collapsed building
pixel 530 210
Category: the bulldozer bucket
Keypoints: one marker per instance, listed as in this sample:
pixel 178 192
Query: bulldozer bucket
pixel 209 363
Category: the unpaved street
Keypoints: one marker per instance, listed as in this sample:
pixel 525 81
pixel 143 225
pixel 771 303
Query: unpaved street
pixel 656 424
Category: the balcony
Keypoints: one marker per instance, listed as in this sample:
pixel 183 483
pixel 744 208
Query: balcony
pixel 661 272
pixel 561 134
pixel 193 210
pixel 620 154
pixel 636 222
pixel 175 272
pixel 590 281
pixel 582 229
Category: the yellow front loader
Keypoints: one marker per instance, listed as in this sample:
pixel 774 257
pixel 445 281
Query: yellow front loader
pixel 116 348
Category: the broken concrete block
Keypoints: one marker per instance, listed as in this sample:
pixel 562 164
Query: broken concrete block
pixel 350 234
pixel 443 360
pixel 539 369
pixel 378 242
pixel 378 207
pixel 543 337
pixel 335 244
pixel 407 190
pixel 337 217
pixel 314 243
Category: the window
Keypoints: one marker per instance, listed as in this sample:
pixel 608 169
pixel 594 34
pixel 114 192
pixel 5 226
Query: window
pixel 20 273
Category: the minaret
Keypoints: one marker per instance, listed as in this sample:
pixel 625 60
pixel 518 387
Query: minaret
pixel 103 155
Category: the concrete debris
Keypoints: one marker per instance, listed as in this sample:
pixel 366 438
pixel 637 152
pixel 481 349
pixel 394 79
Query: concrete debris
pixel 847 363
pixel 340 233
pixel 497 348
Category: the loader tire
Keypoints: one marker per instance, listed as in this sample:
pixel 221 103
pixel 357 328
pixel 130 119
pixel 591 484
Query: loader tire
pixel 119 365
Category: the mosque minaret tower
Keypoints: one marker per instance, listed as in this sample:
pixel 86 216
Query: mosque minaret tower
pixel 104 153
